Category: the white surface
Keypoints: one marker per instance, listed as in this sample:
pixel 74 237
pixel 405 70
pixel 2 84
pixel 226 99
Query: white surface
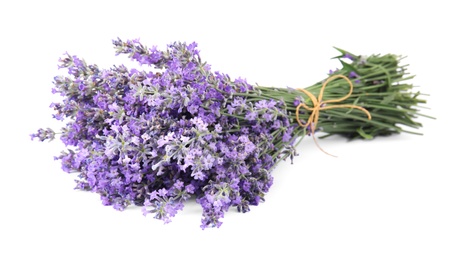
pixel 390 198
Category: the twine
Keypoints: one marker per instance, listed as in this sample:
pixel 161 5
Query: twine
pixel 320 104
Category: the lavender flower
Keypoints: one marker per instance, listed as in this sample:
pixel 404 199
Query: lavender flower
pixel 152 139
pixel 353 74
pixel 349 56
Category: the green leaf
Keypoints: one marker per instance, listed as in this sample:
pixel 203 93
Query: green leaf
pixel 341 50
pixel 363 134
pixel 348 67
pixel 388 99
pixel 342 53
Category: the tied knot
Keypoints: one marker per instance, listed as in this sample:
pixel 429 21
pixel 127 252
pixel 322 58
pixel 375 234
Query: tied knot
pixel 320 104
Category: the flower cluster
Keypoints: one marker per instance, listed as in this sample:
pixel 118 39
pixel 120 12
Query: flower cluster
pixel 156 138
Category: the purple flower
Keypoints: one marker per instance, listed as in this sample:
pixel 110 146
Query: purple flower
pixel 230 109
pixel 178 185
pixel 154 195
pixel 250 147
pixel 353 75
pixel 331 72
pixel 349 56
pixel 162 192
pixel 261 104
pixel 145 137
pixel 267 117
pixel 190 188
pixel 207 162
pixel 198 175
pixel 251 115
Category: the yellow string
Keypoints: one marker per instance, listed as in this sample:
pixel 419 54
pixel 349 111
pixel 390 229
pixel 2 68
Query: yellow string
pixel 319 104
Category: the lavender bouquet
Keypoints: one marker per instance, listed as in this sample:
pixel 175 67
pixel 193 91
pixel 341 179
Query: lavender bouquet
pixel 157 138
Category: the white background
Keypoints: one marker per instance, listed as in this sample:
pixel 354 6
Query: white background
pixel 390 198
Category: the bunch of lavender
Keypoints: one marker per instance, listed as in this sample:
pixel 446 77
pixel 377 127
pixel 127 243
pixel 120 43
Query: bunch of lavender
pixel 155 138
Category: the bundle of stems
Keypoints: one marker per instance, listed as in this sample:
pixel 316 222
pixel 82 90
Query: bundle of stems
pixel 377 86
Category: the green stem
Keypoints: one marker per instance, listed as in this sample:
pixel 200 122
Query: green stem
pixel 379 88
